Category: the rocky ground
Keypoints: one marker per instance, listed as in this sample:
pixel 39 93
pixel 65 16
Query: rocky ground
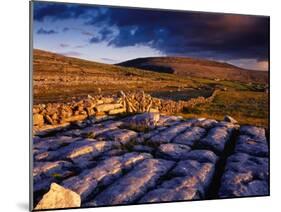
pixel 53 115
pixel 149 157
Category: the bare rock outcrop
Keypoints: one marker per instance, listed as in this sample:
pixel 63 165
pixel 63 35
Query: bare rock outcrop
pixel 59 197
pixel 148 157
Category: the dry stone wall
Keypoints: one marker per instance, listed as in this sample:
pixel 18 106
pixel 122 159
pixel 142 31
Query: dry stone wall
pixel 47 116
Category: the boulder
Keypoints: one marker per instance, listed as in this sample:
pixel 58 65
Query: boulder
pixel 142 122
pixel 107 107
pixel 153 110
pixel 59 197
pixel 230 119
pixel 117 111
pixel 75 118
pixel 38 120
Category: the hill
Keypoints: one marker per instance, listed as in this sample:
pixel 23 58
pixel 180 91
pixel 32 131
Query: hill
pixel 197 68
pixel 58 78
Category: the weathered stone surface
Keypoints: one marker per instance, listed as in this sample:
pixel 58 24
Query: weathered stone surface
pixel 53 143
pixel 203 156
pixel 59 197
pixel 103 174
pixel 92 150
pixel 168 120
pixel 61 153
pixel 114 161
pixel 142 148
pixel 170 133
pixel 216 139
pixel 193 178
pixel 49 168
pixel 181 188
pixel 44 173
pixel 192 168
pixel 245 175
pixel 135 184
pixel 72 133
pixel 96 130
pixel 142 122
pixel 142 137
pixel 255 133
pixel 113 152
pixel 107 107
pixel 205 123
pixel 173 151
pixel 250 146
pixel 121 135
pixel 190 136
pixel 112 124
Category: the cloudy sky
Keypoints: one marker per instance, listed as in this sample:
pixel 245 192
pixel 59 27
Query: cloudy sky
pixel 112 35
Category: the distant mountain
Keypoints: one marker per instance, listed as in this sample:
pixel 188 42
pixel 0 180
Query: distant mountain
pixel 201 68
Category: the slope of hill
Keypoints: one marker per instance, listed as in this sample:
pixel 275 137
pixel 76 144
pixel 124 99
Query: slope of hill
pixel 59 78
pixel 197 68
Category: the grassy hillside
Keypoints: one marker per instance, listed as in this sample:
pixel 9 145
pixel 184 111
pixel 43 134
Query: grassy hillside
pixel 58 78
pixel 247 107
pixel 197 68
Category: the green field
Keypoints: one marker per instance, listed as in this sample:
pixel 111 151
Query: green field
pixel 247 107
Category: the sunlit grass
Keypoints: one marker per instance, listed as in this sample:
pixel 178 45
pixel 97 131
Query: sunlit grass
pixel 247 107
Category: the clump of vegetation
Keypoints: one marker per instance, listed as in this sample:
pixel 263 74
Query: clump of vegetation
pixel 57 176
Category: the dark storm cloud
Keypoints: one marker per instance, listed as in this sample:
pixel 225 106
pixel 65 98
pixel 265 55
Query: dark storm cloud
pixel 194 34
pixel 105 34
pixel 218 36
pixel 62 11
pixel 46 32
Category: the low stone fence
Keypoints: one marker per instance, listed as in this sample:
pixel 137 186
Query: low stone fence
pixel 132 102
